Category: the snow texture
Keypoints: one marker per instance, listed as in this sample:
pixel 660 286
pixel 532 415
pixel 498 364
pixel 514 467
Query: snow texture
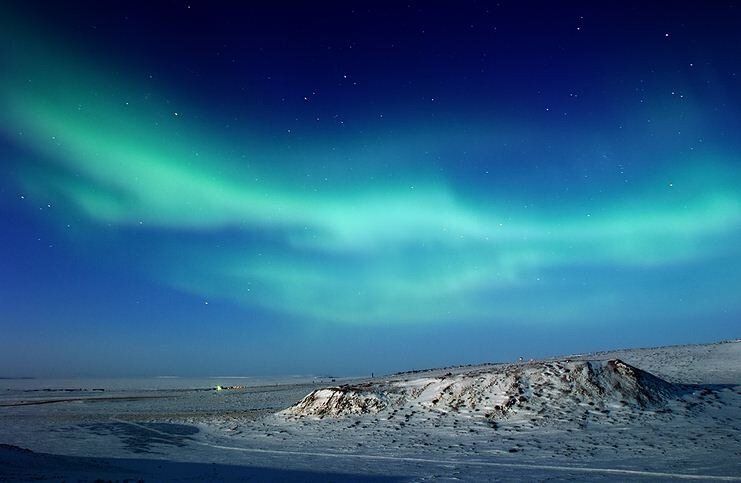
pixel 653 414
pixel 535 389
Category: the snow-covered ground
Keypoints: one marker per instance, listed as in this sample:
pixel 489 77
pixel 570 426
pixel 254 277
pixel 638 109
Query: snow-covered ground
pixel 639 414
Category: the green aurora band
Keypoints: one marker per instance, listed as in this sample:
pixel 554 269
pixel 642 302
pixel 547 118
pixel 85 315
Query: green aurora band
pixel 234 217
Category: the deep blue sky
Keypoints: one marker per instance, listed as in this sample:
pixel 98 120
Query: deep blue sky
pixel 203 188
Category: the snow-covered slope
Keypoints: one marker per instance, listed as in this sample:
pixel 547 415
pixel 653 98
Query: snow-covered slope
pixel 497 392
pixel 337 401
pixel 668 412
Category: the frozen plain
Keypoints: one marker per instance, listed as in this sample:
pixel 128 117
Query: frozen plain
pixel 631 415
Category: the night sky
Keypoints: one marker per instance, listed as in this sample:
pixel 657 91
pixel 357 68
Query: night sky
pixel 204 188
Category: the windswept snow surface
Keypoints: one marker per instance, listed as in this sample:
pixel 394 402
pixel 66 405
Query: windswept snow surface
pixel 645 414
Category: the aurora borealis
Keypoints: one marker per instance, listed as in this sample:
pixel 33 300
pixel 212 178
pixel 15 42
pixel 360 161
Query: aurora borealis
pixel 294 181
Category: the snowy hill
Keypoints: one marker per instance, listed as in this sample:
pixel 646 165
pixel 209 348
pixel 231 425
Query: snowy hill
pixel 540 390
